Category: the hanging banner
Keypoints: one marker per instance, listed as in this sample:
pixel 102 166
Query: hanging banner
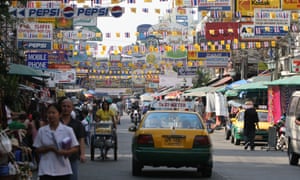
pixel 217 31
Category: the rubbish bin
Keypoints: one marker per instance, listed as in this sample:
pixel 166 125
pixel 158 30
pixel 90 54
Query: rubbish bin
pixel 272 138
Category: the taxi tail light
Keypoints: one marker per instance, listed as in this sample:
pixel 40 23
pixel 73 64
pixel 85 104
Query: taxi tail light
pixel 145 139
pixel 201 141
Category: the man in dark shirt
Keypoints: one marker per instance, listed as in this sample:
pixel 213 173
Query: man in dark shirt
pixel 250 122
pixel 67 108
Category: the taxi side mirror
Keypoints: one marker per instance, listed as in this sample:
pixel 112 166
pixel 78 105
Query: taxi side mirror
pixel 132 128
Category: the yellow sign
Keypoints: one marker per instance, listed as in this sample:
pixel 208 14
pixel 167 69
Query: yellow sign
pixel 246 7
pixel 290 5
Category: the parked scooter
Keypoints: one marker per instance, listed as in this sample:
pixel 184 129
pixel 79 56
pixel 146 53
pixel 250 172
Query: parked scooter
pixel 282 143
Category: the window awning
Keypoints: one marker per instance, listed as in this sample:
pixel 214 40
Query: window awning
pixel 222 81
pixel 22 70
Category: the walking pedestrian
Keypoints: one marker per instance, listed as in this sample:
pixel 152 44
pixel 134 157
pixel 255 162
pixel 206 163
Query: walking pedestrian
pixel 54 163
pixel 67 108
pixel 250 122
pixel 86 124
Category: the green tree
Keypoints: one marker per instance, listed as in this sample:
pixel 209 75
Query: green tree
pixel 202 78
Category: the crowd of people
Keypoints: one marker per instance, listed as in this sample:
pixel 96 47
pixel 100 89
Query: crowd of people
pixel 58 136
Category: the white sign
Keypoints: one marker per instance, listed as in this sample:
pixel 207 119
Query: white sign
pixel 178 105
pixel 271 17
pixel 247 31
pixel 296 65
pixel 64 76
pixel 36 31
pixel 79 35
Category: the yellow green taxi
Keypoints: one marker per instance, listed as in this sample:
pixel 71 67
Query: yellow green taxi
pixel 237 128
pixel 171 139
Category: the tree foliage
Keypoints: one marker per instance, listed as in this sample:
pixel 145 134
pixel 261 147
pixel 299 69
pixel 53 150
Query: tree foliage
pixel 201 79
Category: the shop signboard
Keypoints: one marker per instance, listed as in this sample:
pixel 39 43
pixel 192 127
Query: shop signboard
pixel 296 65
pixel 35 31
pixel 217 31
pixel 79 34
pixel 271 17
pixel 216 5
pixel 64 76
pixel 38 60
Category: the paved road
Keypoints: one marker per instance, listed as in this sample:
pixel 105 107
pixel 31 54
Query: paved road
pixel 230 163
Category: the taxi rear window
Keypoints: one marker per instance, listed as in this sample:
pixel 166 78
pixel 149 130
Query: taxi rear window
pixel 169 120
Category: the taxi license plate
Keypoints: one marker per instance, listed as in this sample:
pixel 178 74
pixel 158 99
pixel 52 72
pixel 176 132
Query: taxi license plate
pixel 173 141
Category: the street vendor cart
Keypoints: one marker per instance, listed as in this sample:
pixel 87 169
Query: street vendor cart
pixel 104 137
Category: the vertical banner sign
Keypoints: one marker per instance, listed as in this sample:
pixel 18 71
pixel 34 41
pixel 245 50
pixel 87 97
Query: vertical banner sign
pixel 274 108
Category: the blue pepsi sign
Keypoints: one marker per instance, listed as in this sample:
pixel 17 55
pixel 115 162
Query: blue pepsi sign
pixel 35 45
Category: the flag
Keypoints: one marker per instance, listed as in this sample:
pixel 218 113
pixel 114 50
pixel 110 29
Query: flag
pixel 98 1
pixel 146 34
pixel 250 45
pixel 49 5
pixel 65 1
pixel 266 44
pixel 181 10
pixel 216 14
pixel 257 30
pixel 115 1
pixel 145 10
pixel 165 34
pixel 195 2
pixel 277 29
pixel 130 1
pixel 179 2
pixel 133 10
pixel 111 48
pixel 30 4
pixel 190 47
pixel 294 28
pixel 168 11
pixel 220 47
pixel 238 14
pixel 74 5
pixel 221 31
pixel 127 34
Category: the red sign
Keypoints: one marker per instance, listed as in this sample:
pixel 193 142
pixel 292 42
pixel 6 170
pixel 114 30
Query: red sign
pixel 217 31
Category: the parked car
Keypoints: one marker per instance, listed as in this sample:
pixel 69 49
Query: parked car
pixel 237 127
pixel 171 139
pixel 292 129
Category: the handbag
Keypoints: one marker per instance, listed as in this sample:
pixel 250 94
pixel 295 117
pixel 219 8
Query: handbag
pixel 5 143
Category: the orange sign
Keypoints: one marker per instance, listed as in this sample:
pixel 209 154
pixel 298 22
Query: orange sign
pixel 290 4
pixel 246 7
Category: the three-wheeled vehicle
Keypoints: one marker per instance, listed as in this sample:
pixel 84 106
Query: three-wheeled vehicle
pixel 104 137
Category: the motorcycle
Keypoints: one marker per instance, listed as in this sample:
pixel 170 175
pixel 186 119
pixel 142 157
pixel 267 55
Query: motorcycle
pixel 135 116
pixel 282 143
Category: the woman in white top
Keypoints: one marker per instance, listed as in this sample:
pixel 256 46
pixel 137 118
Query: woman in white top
pixel 54 143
